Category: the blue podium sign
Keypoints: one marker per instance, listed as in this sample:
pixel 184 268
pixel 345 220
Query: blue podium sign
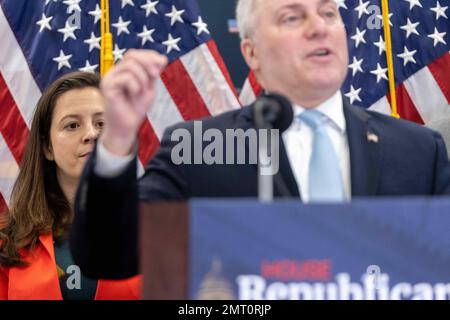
pixel 385 249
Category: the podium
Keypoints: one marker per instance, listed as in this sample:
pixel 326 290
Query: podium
pixel 385 249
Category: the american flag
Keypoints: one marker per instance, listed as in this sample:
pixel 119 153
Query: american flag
pixel 44 39
pixel 420 44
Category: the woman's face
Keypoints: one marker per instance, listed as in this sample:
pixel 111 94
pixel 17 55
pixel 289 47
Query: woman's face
pixel 76 123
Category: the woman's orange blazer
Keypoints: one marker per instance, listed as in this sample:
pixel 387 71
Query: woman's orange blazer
pixel 39 280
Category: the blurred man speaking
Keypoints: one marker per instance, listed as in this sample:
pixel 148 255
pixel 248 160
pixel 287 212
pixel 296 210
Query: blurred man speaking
pixel 332 151
pixel 296 48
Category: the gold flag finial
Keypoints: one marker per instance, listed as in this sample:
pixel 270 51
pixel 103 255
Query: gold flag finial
pixel 106 52
pixel 390 63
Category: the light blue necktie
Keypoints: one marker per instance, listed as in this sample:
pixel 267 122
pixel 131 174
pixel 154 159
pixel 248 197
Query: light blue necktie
pixel 325 180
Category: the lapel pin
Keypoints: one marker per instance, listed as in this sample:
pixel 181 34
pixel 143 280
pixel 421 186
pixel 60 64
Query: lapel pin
pixel 372 137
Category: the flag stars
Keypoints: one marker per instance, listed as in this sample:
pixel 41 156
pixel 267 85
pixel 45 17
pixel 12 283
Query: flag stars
pixel 127 2
pixel 121 26
pixel 171 44
pixel 407 56
pixel 201 26
pixel 410 28
pixel 341 4
pixel 440 11
pixel 97 13
pixel 359 37
pixel 93 42
pixel 63 60
pixel 438 37
pixel 175 15
pixel 72 5
pixel 89 68
pixel 362 8
pixel 150 7
pixel 356 66
pixel 380 73
pixel 353 94
pixel 44 23
pixel 380 16
pixel 413 3
pixel 146 35
pixel 118 53
pixel 68 31
pixel 381 45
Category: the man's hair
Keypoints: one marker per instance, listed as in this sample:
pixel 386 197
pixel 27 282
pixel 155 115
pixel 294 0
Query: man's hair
pixel 246 17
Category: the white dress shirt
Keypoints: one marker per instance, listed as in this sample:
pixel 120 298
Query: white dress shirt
pixel 109 165
pixel 297 139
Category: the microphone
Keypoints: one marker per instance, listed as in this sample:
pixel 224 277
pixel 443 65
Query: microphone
pixel 271 111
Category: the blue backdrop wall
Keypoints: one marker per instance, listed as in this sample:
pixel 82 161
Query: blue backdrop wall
pixel 217 13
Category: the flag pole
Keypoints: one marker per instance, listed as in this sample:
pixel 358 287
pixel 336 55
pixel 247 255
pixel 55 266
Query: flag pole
pixel 106 54
pixel 390 63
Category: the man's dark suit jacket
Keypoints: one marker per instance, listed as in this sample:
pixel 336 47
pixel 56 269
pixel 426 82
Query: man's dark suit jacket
pixel 400 159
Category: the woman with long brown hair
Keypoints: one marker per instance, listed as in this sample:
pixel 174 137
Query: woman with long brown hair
pixel 35 259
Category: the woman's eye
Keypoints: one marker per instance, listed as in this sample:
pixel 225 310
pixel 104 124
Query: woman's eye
pixel 100 124
pixel 72 126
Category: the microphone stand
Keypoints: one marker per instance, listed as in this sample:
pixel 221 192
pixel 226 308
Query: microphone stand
pixel 265 181
pixel 269 110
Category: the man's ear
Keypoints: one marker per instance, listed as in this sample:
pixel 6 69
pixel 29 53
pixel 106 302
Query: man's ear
pixel 250 54
pixel 48 152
